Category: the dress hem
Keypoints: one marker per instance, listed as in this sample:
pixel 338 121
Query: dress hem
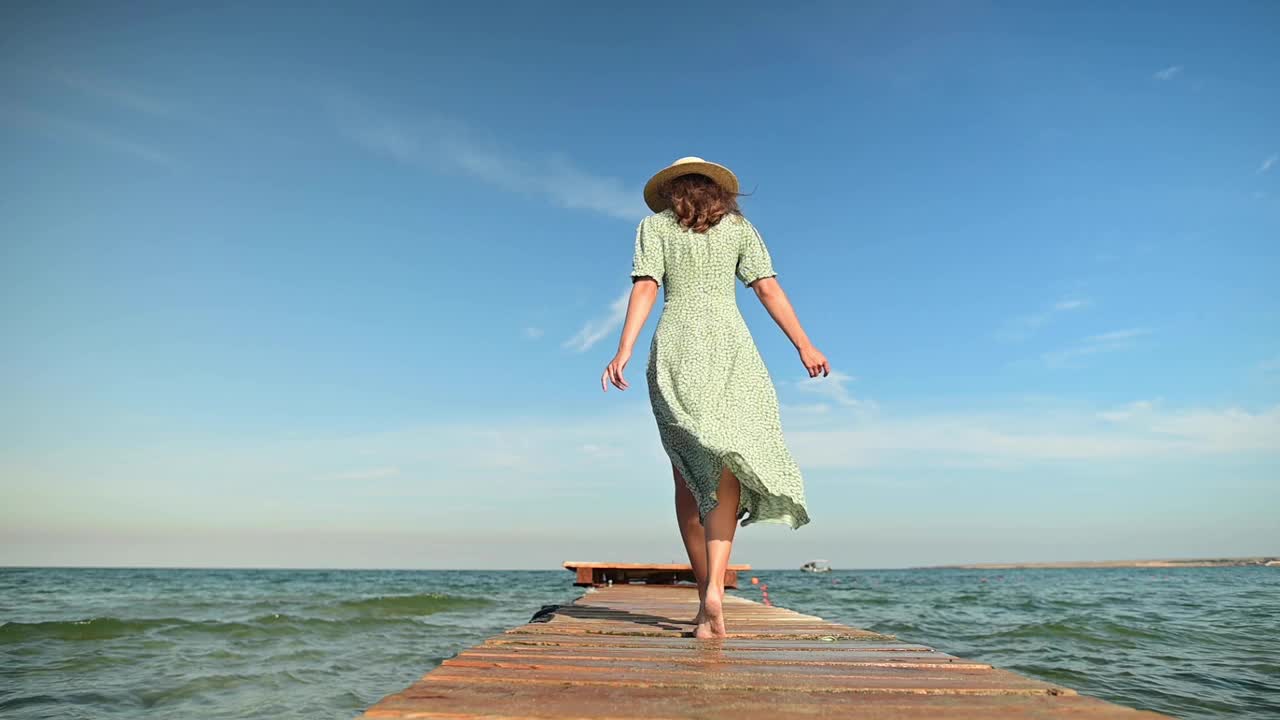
pixel 749 482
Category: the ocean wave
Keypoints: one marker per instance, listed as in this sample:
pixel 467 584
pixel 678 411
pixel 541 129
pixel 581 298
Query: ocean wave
pixel 1090 631
pixel 81 630
pixel 265 625
pixel 363 613
pixel 410 605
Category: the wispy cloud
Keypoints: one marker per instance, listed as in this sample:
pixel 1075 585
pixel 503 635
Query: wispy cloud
pixel 1022 438
pixel 1116 336
pixel 532 333
pixel 1225 430
pixel 788 409
pixel 60 128
pixel 1267 164
pixel 1230 430
pixel 1094 345
pixel 601 452
pixel 596 329
pixel 115 93
pixel 833 387
pixel 1168 73
pixel 1024 326
pixel 375 473
pixel 445 145
pixel 1128 412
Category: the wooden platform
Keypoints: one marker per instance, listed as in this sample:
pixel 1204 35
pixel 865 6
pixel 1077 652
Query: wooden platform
pixel 598 573
pixel 618 652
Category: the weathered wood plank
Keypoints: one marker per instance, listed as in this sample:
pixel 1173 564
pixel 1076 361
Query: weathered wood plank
pixel 814 678
pixel 816 631
pixel 641 566
pixel 871 641
pixel 601 573
pixel 814 654
pixel 496 701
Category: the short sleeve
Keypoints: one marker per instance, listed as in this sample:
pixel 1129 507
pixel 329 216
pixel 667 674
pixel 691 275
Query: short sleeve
pixel 754 262
pixel 648 260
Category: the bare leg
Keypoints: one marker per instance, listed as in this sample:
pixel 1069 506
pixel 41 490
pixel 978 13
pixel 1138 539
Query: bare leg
pixel 695 541
pixel 719 530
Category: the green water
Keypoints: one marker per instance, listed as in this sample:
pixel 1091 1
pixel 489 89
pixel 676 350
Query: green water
pixel 128 643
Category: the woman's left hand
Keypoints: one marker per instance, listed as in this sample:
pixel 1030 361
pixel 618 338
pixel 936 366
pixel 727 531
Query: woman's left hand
pixel 613 373
pixel 814 361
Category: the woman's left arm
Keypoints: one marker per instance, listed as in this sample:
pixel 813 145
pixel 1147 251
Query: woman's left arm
pixel 775 301
pixel 644 292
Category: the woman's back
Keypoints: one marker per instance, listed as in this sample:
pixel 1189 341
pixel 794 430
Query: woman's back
pixel 699 267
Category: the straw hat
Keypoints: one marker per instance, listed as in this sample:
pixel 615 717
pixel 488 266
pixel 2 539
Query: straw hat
pixel 722 176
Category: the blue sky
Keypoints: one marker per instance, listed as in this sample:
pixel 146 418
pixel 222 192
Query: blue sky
pixel 300 287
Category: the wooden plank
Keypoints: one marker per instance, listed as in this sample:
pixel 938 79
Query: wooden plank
pixel 815 632
pixel 623 652
pixel 494 702
pixel 659 611
pixel 571 564
pixel 872 641
pixel 813 678
pixel 814 655
pixel 603 573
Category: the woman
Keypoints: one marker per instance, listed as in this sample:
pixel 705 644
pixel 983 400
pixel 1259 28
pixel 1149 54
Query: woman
pixel 712 397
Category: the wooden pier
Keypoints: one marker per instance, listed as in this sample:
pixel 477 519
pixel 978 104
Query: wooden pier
pixel 598 573
pixel 623 651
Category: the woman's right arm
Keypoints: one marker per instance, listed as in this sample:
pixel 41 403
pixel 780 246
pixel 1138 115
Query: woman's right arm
pixel 775 301
pixel 644 292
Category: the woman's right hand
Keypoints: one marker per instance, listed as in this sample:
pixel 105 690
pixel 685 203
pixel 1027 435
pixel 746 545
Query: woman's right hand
pixel 613 373
pixel 814 361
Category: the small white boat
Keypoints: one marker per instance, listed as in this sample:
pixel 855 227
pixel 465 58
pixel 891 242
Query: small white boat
pixel 816 566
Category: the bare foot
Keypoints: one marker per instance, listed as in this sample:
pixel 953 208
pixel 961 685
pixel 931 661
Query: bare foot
pixel 712 622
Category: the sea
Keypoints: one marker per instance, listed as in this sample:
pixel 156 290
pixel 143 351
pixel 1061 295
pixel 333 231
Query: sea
pixel 113 643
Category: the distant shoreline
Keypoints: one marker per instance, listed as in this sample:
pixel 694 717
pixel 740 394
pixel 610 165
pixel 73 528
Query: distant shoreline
pixel 1270 560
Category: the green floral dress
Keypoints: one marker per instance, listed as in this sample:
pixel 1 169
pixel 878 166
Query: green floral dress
pixel 713 398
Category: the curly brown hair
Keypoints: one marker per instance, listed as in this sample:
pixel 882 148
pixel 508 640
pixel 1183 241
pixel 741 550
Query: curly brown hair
pixel 698 202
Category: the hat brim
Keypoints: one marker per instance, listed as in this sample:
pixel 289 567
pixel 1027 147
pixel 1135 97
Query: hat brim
pixel 722 176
